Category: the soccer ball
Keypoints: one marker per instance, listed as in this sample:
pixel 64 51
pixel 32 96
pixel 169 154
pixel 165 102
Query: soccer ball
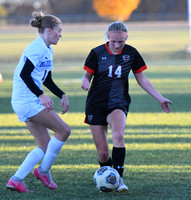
pixel 106 179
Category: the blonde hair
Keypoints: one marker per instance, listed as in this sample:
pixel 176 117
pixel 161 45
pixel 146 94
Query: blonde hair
pixel 116 26
pixel 42 21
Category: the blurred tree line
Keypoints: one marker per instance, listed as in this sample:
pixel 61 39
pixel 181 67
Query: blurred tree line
pixel 115 10
pixel 72 7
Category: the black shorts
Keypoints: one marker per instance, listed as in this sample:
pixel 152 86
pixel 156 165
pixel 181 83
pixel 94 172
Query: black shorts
pixel 99 116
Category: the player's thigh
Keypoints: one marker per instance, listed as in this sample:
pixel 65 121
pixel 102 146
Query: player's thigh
pixel 117 120
pixel 51 120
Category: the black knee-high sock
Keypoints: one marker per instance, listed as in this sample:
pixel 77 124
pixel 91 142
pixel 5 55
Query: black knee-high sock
pixel 118 157
pixel 108 163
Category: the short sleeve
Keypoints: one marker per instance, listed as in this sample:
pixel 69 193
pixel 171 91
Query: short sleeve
pixel 138 63
pixel 36 52
pixel 91 62
pixel 34 56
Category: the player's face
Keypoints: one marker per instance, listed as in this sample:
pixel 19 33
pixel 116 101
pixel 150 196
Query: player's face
pixel 117 40
pixel 55 34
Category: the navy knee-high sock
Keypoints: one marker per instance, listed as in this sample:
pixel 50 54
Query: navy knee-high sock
pixel 118 157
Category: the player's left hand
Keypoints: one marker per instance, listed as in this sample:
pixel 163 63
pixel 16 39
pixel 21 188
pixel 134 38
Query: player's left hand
pixel 165 105
pixel 64 103
pixel 85 84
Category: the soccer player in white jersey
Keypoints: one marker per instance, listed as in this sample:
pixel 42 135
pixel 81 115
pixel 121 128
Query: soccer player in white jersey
pixel 34 108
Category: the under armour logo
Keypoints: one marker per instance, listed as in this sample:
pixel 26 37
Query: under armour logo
pixel 118 167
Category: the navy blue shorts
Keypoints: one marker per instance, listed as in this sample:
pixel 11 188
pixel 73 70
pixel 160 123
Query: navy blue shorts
pixel 99 117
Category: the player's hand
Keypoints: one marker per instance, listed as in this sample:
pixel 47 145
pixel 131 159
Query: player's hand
pixel 64 103
pixel 46 101
pixel 85 84
pixel 165 105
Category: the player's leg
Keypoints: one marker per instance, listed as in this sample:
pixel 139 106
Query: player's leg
pixel 117 121
pixel 52 121
pixel 42 137
pixel 40 133
pixel 99 134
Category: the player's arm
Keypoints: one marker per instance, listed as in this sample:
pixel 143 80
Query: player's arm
pixel 149 88
pixel 27 78
pixel 89 66
pixel 86 79
pixel 49 83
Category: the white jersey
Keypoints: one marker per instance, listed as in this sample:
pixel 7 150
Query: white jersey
pixel 42 58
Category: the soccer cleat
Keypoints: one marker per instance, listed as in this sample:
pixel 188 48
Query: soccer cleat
pixel 19 186
pixel 45 179
pixel 122 187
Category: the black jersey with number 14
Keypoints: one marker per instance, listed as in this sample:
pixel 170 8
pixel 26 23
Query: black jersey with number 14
pixel 110 87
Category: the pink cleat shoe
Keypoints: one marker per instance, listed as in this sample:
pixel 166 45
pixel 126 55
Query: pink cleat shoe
pixel 45 179
pixel 19 186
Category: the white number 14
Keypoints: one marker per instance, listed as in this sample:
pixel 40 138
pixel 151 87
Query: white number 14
pixel 117 72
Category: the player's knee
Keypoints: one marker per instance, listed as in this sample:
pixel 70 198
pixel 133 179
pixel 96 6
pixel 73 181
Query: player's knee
pixel 67 131
pixel 103 155
pixel 118 137
pixel 63 132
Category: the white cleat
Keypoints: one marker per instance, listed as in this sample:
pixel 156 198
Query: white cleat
pixel 122 187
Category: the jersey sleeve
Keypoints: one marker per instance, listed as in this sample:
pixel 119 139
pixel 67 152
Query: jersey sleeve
pixel 26 77
pixel 91 62
pixel 36 51
pixel 49 83
pixel 138 64
pixel 33 55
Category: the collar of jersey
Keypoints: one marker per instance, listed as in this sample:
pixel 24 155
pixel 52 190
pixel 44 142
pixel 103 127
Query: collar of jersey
pixel 106 45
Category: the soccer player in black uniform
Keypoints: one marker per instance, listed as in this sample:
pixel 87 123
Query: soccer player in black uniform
pixel 108 98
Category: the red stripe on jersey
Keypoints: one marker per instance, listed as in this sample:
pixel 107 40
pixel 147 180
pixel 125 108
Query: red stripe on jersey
pixel 140 70
pixel 120 51
pixel 91 71
pixel 106 45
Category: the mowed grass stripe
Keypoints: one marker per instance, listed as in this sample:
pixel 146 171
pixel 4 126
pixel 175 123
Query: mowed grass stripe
pixel 140 168
pixel 82 136
pixel 87 146
pixel 136 119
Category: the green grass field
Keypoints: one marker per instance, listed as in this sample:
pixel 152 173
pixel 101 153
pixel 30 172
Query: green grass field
pixel 157 165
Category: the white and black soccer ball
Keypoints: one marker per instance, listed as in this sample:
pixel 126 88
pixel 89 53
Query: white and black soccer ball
pixel 106 179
